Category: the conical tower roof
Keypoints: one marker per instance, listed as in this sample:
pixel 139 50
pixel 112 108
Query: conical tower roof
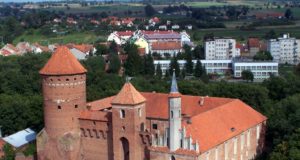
pixel 62 62
pixel 174 87
pixel 128 96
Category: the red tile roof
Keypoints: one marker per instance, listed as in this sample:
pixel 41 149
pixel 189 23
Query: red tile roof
pixel 212 122
pixel 2 143
pixel 125 33
pixel 62 62
pixel 253 42
pixel 166 45
pixel 128 96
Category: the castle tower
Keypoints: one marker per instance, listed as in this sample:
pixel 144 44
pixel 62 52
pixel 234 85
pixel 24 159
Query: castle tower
pixel 64 92
pixel 128 120
pixel 174 116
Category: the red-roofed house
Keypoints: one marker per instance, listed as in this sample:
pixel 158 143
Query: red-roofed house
pixel 134 125
pixel 162 48
pixel 2 143
pixel 10 49
pixel 255 45
pixel 120 37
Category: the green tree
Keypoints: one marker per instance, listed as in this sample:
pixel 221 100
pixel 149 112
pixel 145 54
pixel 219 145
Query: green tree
pixel 9 153
pixel 158 72
pixel 113 47
pixel 263 56
pixel 149 10
pixel 174 65
pixel 149 65
pixel 204 77
pixel 247 75
pixel 198 69
pixel 288 14
pixel 270 35
pixel 198 52
pixel 101 50
pixel 134 63
pixel 114 63
pixel 297 70
pixel 189 60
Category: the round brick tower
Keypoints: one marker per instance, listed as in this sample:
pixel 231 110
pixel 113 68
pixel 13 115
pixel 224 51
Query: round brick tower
pixel 64 92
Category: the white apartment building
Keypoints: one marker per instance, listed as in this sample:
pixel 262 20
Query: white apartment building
pixel 285 49
pixel 221 48
pixel 260 70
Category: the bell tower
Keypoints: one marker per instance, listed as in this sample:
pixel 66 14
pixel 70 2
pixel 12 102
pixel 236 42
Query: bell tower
pixel 174 115
pixel 128 120
pixel 64 96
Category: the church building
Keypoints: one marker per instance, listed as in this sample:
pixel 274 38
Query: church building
pixel 135 125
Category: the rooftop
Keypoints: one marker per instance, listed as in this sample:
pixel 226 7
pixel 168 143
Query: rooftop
pixel 20 138
pixel 62 62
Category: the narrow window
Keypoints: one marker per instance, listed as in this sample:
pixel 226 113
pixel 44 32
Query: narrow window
pixel 58 107
pixel 154 126
pixel 171 114
pixel 67 79
pixel 122 113
pixel 76 105
pixel 140 112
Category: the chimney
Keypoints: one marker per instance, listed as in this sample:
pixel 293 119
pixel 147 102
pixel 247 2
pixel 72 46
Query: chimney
pixel 201 101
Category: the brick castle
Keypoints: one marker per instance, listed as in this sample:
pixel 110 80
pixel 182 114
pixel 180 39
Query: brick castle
pixel 135 125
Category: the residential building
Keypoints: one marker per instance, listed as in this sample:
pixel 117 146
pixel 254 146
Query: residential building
pixel 81 51
pixel 162 27
pixel 142 43
pixel 285 49
pixel 166 48
pixel 175 27
pixel 120 37
pixel 220 48
pixel 140 125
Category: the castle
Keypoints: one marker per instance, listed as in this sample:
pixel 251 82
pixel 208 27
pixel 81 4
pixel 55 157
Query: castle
pixel 135 125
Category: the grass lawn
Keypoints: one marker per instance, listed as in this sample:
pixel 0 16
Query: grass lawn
pixel 85 37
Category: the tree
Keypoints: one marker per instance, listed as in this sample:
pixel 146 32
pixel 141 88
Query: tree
pixel 149 10
pixel 198 52
pixel 134 63
pixel 9 153
pixel 158 72
pixel 149 65
pixel 189 60
pixel 288 14
pixel 247 75
pixel 174 65
pixel 101 50
pixel 198 69
pixel 113 47
pixel 114 63
pixel 270 35
pixel 298 69
pixel 263 56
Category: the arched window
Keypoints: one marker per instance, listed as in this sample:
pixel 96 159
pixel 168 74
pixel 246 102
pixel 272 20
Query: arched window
pixel 142 127
pixel 122 113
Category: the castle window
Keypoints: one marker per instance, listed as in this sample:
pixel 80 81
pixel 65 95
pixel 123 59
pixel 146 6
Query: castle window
pixel 142 127
pixel 172 114
pixel 122 113
pixel 140 112
pixel 74 78
pixel 58 107
pixel 76 105
pixel 67 79
pixel 154 126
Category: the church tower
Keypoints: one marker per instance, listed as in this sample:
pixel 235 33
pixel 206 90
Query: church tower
pixel 128 120
pixel 174 115
pixel 64 96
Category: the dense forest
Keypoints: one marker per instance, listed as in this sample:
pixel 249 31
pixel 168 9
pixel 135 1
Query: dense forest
pixel 278 98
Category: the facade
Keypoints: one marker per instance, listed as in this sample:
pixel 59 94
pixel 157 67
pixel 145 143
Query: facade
pixel 211 66
pixel 220 49
pixel 260 70
pixel 285 49
pixel 120 37
pixel 134 126
pixel 163 48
